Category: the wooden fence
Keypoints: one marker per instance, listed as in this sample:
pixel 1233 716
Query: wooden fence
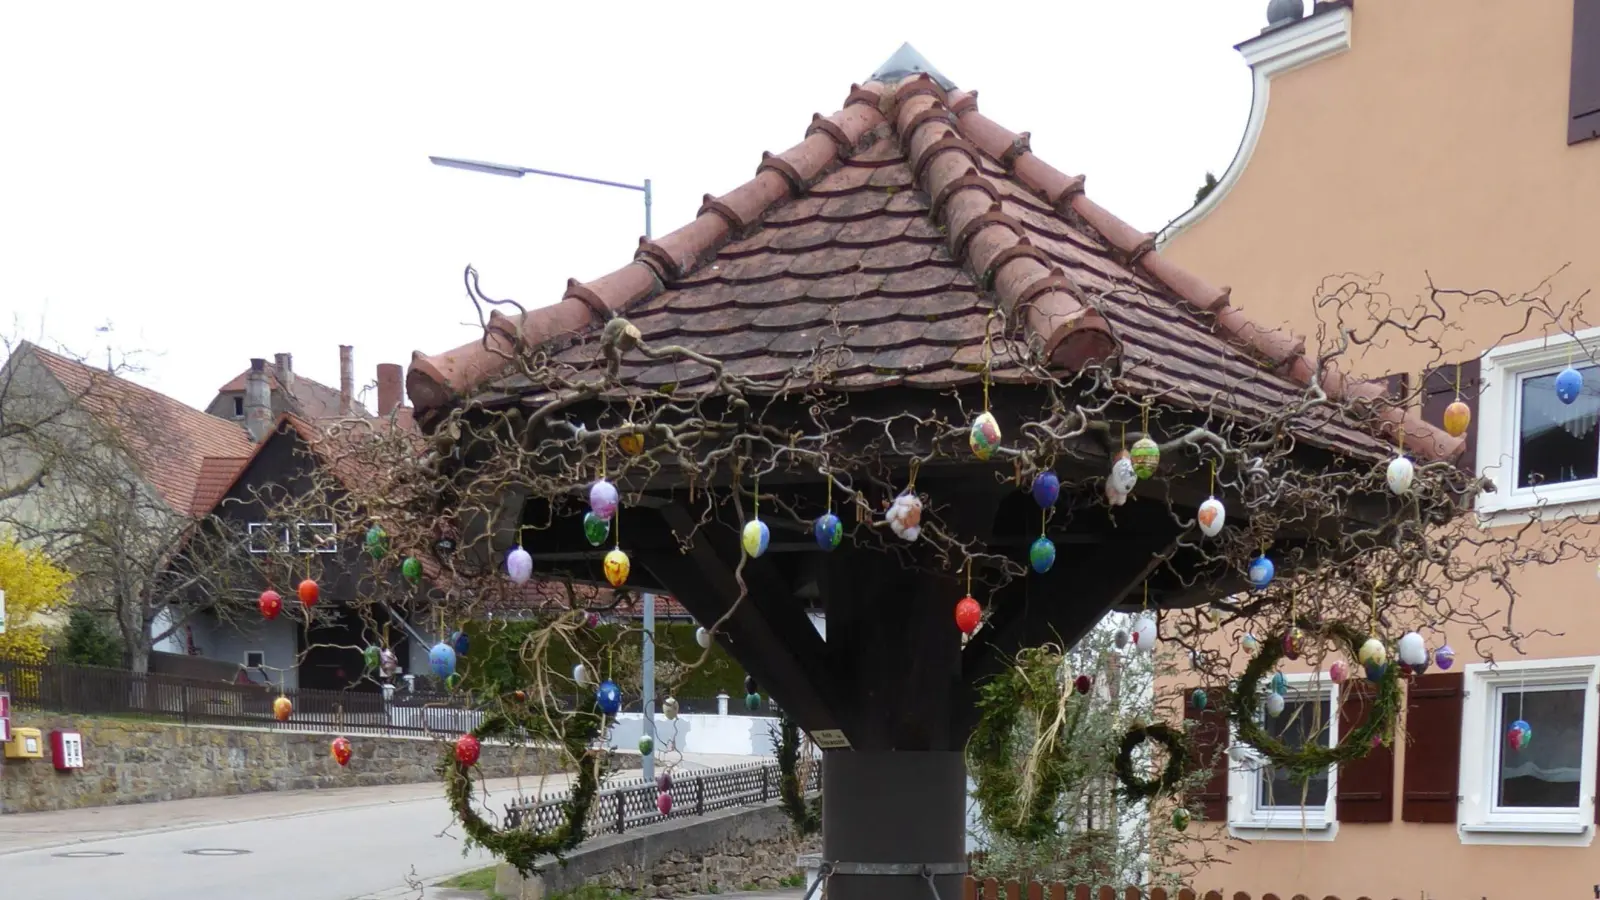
pixel 991 889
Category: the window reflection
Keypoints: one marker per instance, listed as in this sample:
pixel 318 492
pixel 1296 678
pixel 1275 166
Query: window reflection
pixel 1558 442
pixel 1546 772
pixel 1303 720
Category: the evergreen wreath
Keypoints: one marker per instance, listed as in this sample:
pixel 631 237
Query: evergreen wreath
pixel 1135 787
pixel 1305 762
pixel 522 847
pixel 806 816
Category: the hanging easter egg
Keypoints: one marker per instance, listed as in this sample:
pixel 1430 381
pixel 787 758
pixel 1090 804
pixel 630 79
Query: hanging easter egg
pixel 1146 456
pixel 702 637
pixel 452 681
pixel 1082 683
pixel 388 663
pixel 647 745
pixel 309 593
pixel 519 565
pixel 617 566
pixel 1444 657
pixel 1042 555
pixel 669 708
pixel 1261 572
pixel 631 444
pixel 664 803
pixel 664 781
pixel 1279 684
pixel 1569 384
pixel 1274 704
pixel 467 750
pixel 755 538
pixel 608 697
pixel 1400 474
pixel 1250 644
pixel 370 657
pixel 1180 819
pixel 1375 671
pixel 1121 638
pixel 603 499
pixel 1211 516
pixel 1519 735
pixel 1292 641
pixel 1046 489
pixel 282 709
pixel 1373 653
pixel 461 643
pixel 752 701
pixel 595 529
pixel 968 615
pixel 749 684
pixel 377 542
pixel 984 437
pixel 442 659
pixel 1457 416
pixel 1337 672
pixel 1123 475
pixel 905 516
pixel 1144 634
pixel 270 604
pixel 1198 699
pixel 580 674
pixel 340 748
pixel 1411 650
pixel 828 531
pixel 591 620
pixel 520 696
pixel 411 569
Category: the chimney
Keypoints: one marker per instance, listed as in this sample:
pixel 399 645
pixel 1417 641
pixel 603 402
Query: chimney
pixel 286 372
pixel 257 401
pixel 391 387
pixel 347 379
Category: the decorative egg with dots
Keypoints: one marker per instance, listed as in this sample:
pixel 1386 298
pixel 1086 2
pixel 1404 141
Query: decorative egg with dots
pixel 968 615
pixel 1569 384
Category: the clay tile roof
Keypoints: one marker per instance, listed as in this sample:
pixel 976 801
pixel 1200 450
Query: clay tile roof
pixel 217 474
pixel 168 440
pixel 886 239
pixel 311 399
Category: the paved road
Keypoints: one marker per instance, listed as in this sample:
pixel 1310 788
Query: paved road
pixel 303 845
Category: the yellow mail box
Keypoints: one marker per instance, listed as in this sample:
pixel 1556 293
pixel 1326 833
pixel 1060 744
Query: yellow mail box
pixel 26 743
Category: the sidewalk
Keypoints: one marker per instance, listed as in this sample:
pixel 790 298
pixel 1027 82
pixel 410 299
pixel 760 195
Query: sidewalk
pixel 44 830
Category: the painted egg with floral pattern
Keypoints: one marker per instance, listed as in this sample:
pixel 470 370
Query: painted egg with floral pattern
pixel 984 438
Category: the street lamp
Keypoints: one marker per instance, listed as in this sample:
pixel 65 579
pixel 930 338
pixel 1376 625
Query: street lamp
pixel 472 165
pixel 647 704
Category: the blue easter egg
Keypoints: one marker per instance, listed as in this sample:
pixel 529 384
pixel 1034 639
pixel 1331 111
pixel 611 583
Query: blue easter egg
pixel 442 659
pixel 1261 572
pixel 1280 684
pixel 1569 384
pixel 1042 554
pixel 461 642
pixel 1046 489
pixel 1375 671
pixel 608 697
pixel 827 530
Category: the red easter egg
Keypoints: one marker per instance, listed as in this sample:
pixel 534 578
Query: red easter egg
pixel 270 604
pixel 467 750
pixel 309 592
pixel 664 803
pixel 968 615
pixel 341 751
pixel 1082 684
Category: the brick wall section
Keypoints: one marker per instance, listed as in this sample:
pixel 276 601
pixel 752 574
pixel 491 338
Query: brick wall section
pixel 719 853
pixel 131 761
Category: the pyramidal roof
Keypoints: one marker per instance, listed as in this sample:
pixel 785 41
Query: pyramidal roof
pixel 873 254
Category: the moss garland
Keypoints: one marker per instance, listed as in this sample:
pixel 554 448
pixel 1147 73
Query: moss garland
pixel 807 817
pixel 522 847
pixel 1137 788
pixel 1305 762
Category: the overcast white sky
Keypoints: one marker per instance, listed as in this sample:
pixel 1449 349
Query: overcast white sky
pixel 216 181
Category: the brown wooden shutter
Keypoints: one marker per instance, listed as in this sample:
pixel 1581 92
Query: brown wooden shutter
pixel 1433 748
pixel 1208 742
pixel 1366 786
pixel 1583 120
pixel 1439 391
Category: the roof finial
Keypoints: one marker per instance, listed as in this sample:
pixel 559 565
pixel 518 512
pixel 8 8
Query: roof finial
pixel 906 63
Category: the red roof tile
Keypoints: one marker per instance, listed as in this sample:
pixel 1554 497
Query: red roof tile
pixel 886 240
pixel 169 441
pixel 217 474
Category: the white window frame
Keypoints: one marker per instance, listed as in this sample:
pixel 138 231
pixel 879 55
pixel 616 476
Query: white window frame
pixel 1479 821
pixel 330 545
pixel 1248 820
pixel 1502 372
pixel 253 527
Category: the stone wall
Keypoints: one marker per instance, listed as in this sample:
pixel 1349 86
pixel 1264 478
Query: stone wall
pixel 131 761
pixel 721 852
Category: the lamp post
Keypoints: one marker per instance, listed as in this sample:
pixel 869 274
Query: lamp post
pixel 647 689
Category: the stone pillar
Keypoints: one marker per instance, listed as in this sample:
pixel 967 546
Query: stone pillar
pixel 894 809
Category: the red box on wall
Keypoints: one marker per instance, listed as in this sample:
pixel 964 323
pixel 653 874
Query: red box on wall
pixel 66 750
pixel 5 718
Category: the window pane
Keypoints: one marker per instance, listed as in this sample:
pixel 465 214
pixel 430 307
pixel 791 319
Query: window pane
pixel 1303 721
pixel 1546 772
pixel 1558 442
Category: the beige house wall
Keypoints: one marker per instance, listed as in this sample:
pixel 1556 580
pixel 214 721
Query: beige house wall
pixel 1435 146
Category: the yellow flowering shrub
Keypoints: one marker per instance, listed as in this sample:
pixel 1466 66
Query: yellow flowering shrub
pixel 34 585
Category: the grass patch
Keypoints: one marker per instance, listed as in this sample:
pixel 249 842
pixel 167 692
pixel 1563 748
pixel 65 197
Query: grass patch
pixel 477 880
pixel 592 892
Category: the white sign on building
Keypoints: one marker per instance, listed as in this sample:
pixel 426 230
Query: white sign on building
pixel 2 612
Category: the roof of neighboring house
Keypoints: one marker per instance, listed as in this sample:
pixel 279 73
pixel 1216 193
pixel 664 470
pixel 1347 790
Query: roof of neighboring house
pixel 168 440
pixel 874 254
pixel 217 474
pixel 310 399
